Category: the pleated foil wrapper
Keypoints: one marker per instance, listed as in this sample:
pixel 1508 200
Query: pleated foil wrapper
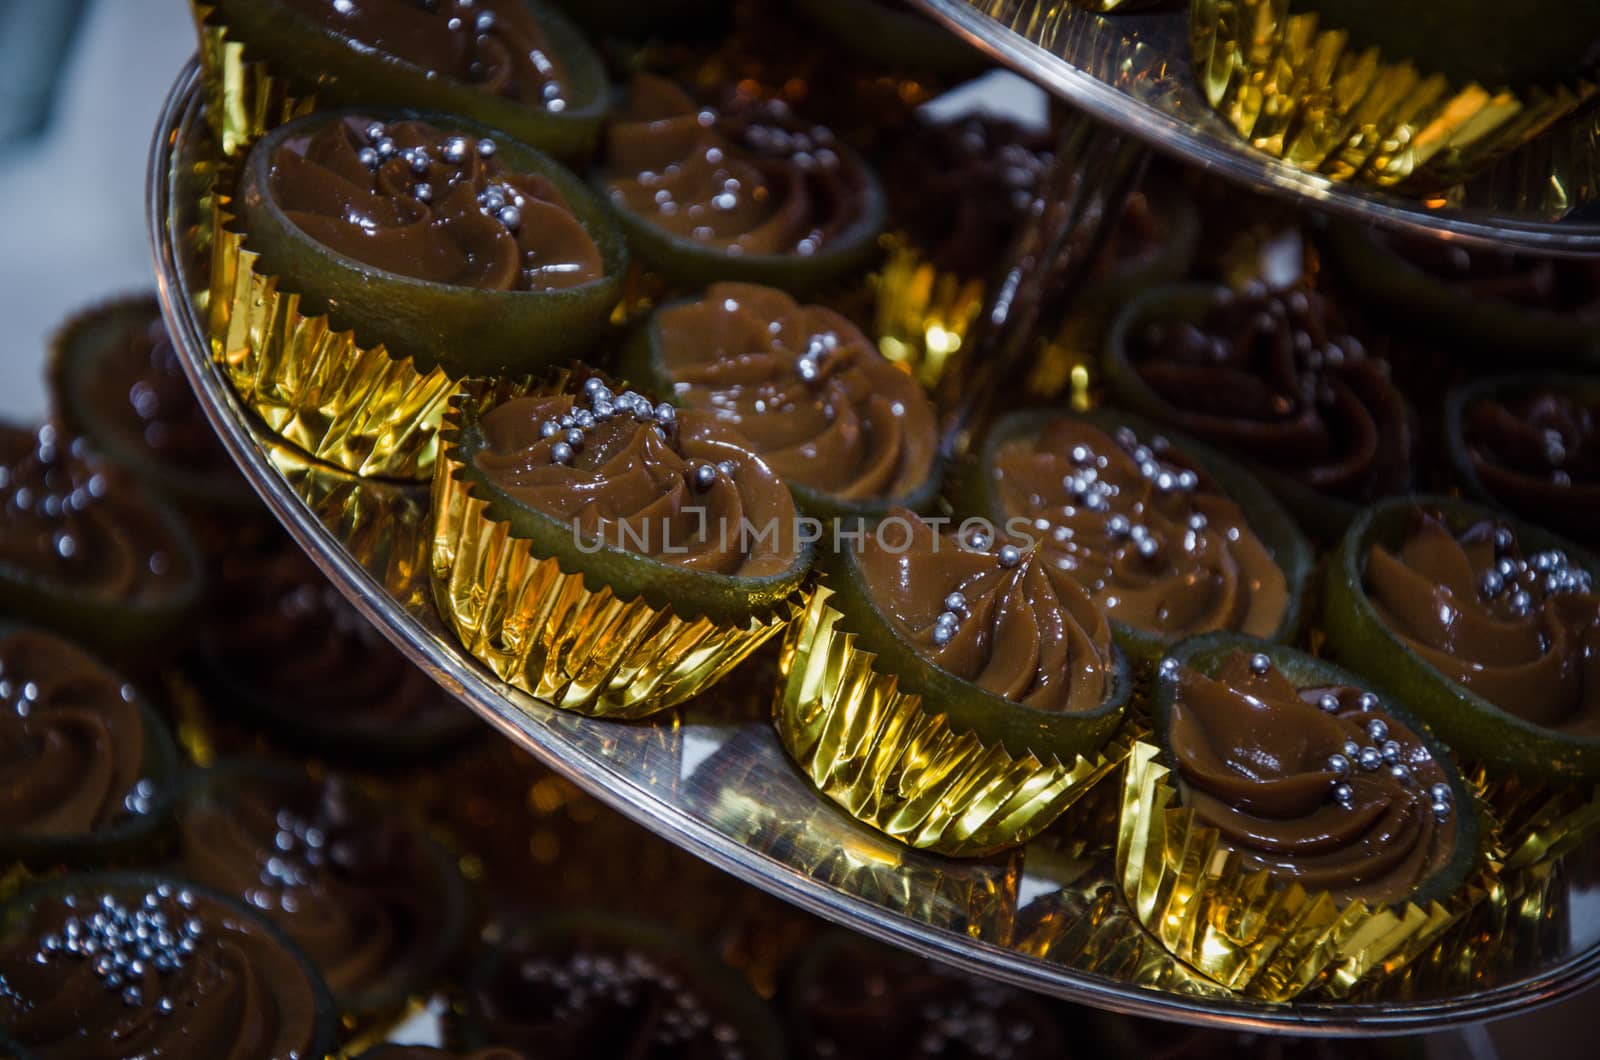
pixel 1303 94
pixel 354 407
pixel 543 630
pixel 243 100
pixel 923 315
pixel 1246 931
pixel 893 764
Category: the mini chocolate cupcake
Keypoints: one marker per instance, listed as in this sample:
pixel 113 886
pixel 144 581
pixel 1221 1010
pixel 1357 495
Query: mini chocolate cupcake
pixel 1531 444
pixel 1290 826
pixel 1355 90
pixel 118 383
pixel 604 554
pixel 1484 625
pixel 284 649
pixel 1485 302
pixel 517 65
pixel 741 192
pixel 1168 537
pixel 137 965
pixel 376 904
pixel 588 984
pixel 83 551
pixel 852 999
pixel 436 249
pixel 983 656
pixel 89 767
pixel 1275 378
pixel 849 432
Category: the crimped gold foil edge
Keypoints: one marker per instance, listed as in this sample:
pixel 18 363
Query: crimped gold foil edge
pixel 923 316
pixel 354 407
pixel 889 763
pixel 1538 822
pixel 542 630
pixel 244 100
pixel 1303 95
pixel 1242 929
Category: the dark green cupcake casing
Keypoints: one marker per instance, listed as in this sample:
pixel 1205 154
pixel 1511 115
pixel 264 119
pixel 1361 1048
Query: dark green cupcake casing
pixel 973 493
pixel 994 719
pixel 1208 652
pixel 1477 730
pixel 1435 311
pixel 129 840
pixel 736 1003
pixel 690 265
pixel 629 575
pixel 904 39
pixel 642 361
pixel 1322 515
pixel 1460 399
pixel 127 630
pixel 320 61
pixel 16 913
pixel 465 331
pixel 407 973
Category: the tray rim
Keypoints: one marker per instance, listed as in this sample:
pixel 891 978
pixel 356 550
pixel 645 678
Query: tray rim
pixel 1236 161
pixel 427 645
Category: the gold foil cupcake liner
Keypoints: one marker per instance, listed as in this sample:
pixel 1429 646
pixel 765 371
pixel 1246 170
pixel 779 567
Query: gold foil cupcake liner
pixel 1304 95
pixel 354 407
pixel 875 751
pixel 1244 930
pixel 1537 822
pixel 243 100
pixel 924 315
pixel 542 630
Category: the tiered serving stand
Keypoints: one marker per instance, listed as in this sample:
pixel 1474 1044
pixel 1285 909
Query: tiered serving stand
pixel 715 780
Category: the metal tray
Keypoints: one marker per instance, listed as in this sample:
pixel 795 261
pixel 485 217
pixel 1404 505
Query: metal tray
pixel 1132 71
pixel 714 780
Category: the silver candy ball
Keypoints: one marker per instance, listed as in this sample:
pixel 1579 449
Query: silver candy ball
pixel 705 476
pixel 1260 664
pixel 1377 731
pixel 1370 758
pixel 561 453
pixel 1010 556
pixel 955 602
pixel 1339 763
pixel 1440 792
pixel 1328 702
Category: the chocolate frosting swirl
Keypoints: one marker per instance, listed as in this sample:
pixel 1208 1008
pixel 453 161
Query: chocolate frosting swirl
pixel 812 393
pixel 281 631
pixel 1557 285
pixel 1276 377
pixel 1143 528
pixel 590 997
pixel 960 189
pixel 1303 782
pixel 989 612
pixel 1538 453
pixel 218 985
pixel 745 179
pixel 431 204
pixel 354 887
pixel 1522 632
pixel 677 487
pixel 73 523
pixel 72 741
pixel 497 46
pixel 140 393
